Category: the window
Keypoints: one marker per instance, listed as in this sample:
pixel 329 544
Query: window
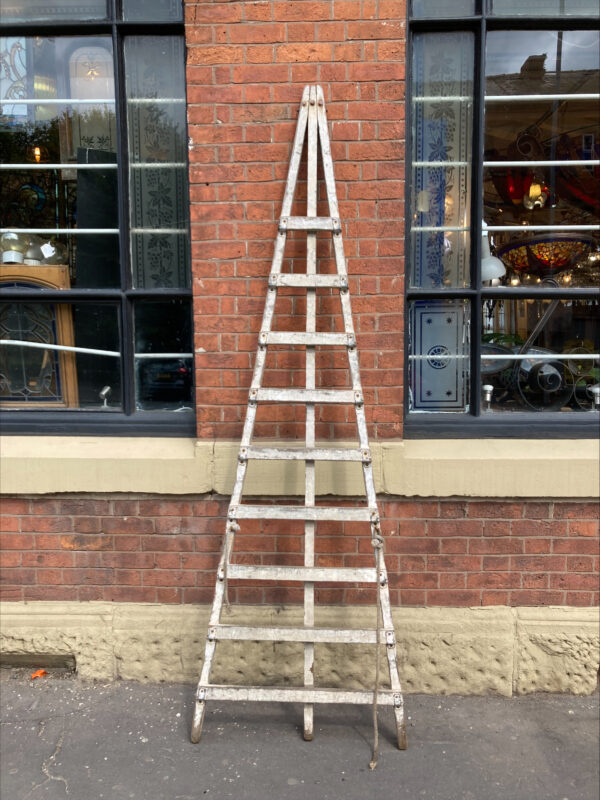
pixel 503 254
pixel 95 319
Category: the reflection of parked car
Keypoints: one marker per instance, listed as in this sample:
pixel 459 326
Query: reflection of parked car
pixel 165 380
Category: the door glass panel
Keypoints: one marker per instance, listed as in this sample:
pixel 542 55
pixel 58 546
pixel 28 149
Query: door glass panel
pixel 79 368
pixel 58 184
pixel 439 355
pixel 441 157
pixel 158 161
pixel 540 355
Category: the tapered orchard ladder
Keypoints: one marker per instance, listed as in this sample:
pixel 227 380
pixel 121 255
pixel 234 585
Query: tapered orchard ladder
pixel 311 119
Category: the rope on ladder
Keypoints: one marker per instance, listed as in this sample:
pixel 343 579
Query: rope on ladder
pixel 232 527
pixel 377 544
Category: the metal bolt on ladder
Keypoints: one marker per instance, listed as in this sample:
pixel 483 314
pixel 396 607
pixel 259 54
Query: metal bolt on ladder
pixel 311 118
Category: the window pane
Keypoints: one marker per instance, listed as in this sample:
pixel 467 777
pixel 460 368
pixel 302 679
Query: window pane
pixel 74 371
pixel 152 10
pixel 542 147
pixel 38 10
pixel 163 355
pixel 158 161
pixel 58 152
pixel 439 355
pixel 441 141
pixel 540 355
pixel 442 8
pixel 549 8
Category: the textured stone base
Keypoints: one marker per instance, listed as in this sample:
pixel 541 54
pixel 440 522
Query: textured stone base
pixel 441 650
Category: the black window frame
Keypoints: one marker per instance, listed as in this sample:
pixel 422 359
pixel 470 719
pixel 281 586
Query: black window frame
pixel 129 421
pixel 470 424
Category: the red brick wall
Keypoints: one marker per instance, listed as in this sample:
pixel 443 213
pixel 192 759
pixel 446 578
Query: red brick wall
pixel 144 549
pixel 247 65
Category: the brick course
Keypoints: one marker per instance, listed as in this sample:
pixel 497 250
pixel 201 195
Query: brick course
pixel 438 552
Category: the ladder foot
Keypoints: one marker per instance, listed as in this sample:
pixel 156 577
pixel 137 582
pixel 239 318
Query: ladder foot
pixel 196 731
pixel 402 740
pixel 309 727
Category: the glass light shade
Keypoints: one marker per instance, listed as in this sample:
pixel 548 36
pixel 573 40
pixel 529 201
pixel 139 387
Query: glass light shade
pixel 34 255
pixel 14 246
pixel 491 267
pixel 547 253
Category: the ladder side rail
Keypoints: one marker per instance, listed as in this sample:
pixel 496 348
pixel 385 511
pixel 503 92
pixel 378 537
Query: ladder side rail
pixel 345 295
pixel 382 587
pixel 280 243
pixel 259 365
pixel 297 147
pixel 326 155
pixel 392 658
pixel 340 260
pixel 361 424
pixel 310 356
pixel 209 649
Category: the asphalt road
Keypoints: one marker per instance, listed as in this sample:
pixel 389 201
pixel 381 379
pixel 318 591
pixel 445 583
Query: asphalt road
pixel 61 738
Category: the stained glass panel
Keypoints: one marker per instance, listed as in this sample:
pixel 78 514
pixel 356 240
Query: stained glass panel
pixel 158 162
pixel 441 157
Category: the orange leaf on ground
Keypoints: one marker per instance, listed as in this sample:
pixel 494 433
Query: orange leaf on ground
pixel 38 673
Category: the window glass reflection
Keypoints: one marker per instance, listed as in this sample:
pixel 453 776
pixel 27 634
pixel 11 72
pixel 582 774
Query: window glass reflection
pixel 442 8
pixel 542 151
pixel 37 10
pixel 540 355
pixel 152 10
pixel 544 8
pixel 58 131
pixel 163 355
pixel 59 355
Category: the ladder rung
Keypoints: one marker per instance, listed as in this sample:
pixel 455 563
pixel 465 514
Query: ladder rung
pixel 309 224
pixel 311 513
pixel 306 395
pixel 326 635
pixel 309 281
pixel 257 572
pixel 291 694
pixel 304 454
pixel 301 337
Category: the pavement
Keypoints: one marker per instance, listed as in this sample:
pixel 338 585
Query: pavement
pixel 63 738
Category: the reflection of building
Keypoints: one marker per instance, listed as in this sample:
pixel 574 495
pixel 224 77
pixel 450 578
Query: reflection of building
pixel 120 500
pixel 557 122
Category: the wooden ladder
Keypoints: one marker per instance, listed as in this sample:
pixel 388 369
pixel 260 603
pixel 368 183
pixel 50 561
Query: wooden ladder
pixel 311 118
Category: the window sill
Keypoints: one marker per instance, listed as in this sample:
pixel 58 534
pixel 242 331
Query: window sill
pixel 543 426
pixel 75 423
pixel 514 468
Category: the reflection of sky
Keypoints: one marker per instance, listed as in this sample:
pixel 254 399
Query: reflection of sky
pixel 506 51
pixel 13 68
